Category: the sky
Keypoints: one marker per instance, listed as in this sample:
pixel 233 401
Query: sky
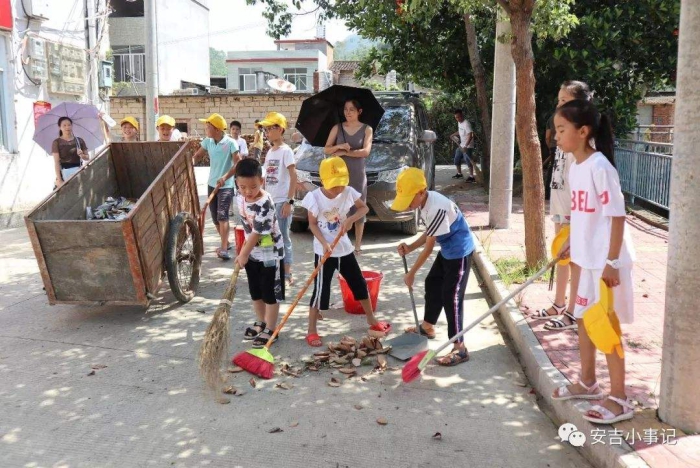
pixel 233 25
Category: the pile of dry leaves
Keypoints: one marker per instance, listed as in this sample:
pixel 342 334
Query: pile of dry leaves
pixel 350 354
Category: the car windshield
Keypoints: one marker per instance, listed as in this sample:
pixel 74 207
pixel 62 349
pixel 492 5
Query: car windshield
pixel 395 124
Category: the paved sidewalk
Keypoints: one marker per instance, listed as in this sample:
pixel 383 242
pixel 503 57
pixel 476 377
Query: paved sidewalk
pixel 642 339
pixel 61 407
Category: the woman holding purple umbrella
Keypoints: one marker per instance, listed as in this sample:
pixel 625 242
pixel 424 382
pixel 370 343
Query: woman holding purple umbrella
pixel 67 150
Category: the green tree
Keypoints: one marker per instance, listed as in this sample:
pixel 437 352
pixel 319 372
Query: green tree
pixel 217 62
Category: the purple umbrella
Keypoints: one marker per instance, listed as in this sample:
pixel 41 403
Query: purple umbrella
pixel 86 125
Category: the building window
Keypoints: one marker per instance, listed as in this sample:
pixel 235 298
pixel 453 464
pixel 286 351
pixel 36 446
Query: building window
pixel 247 79
pixel 298 77
pixel 130 64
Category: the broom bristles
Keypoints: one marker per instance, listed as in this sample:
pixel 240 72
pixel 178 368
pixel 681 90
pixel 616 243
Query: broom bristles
pixel 411 371
pixel 256 362
pixel 212 354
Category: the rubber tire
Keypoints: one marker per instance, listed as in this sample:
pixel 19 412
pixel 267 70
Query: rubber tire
pixel 410 227
pixel 171 265
pixel 299 226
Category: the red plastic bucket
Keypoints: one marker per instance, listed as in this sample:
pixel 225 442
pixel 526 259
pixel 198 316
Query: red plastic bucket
pixel 374 280
pixel 240 238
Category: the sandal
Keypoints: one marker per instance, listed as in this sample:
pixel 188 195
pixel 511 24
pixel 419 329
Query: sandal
pixel 223 255
pixel 314 340
pixel 607 416
pixel 453 358
pixel 557 323
pixel 381 327
pixel 251 333
pixel 261 341
pixel 592 393
pixel 421 331
pixel 543 315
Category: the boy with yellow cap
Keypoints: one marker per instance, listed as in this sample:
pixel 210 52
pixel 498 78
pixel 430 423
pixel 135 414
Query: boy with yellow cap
pixel 166 129
pixel 328 209
pixel 447 279
pixel 223 156
pixel 281 180
pixel 130 128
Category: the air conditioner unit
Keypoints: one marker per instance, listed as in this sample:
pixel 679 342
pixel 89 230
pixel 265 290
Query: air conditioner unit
pixel 186 91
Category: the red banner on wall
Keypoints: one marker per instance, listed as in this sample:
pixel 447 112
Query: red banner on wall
pixel 40 108
pixel 5 14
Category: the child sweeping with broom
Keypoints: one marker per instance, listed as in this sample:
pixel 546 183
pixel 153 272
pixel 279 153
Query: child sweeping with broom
pixel 262 253
pixel 447 280
pixel 328 209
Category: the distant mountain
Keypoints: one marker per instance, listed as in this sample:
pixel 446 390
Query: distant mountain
pixel 354 47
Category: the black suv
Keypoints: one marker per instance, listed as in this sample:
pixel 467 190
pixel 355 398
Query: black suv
pixel 402 140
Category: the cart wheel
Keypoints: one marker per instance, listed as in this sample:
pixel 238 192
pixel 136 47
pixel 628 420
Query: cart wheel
pixel 183 257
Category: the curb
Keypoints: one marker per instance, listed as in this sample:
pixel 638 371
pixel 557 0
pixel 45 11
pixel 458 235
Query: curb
pixel 544 376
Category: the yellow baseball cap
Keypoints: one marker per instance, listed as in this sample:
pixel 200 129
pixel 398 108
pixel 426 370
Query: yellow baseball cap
pixel 216 120
pixel 408 184
pixel 130 120
pixel 334 173
pixel 165 119
pixel 274 118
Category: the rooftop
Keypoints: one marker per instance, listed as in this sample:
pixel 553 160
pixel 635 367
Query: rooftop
pixel 344 65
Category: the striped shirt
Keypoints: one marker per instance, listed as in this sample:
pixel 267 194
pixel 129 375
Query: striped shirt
pixel 445 222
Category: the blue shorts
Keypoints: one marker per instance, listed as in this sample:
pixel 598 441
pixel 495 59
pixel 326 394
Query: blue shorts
pixel 219 206
pixel 465 157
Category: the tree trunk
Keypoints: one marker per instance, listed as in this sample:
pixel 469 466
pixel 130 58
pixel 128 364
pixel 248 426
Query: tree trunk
pixel 482 97
pixel 526 131
pixel 680 372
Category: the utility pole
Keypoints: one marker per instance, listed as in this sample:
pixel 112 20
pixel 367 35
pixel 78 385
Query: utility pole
pixel 502 128
pixel 151 68
pixel 93 90
pixel 680 358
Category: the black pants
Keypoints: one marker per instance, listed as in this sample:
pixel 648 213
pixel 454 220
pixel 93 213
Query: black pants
pixel 444 289
pixel 351 272
pixel 265 283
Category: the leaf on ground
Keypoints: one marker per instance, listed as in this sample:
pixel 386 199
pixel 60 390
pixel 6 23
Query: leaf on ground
pixel 230 390
pixel 381 360
pixel 334 382
pixel 240 392
pixel 357 362
pixel 294 424
pixel 312 368
pixel 322 354
pixel 291 372
pixel 437 436
pixel 91 373
pixel 349 371
pixel 284 386
pixel 382 421
pixel 234 369
pixel 645 295
pixel 252 382
pixel 98 366
pixel 275 430
pixel 223 401
pixel 358 407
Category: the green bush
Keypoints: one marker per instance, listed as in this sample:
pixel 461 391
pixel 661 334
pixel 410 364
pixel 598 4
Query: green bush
pixel 442 121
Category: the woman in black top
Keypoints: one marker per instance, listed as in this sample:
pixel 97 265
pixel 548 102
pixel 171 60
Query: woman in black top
pixel 67 151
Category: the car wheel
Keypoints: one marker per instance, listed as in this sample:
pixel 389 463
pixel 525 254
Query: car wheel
pixel 410 227
pixel 299 226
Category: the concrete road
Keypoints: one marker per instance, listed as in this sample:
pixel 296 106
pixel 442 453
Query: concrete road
pixel 148 407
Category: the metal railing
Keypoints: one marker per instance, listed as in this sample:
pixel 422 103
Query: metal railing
pixel 645 170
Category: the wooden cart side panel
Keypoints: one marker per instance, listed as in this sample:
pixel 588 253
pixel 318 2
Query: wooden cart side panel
pixel 132 251
pixel 39 254
pixel 89 187
pixel 120 167
pixel 148 242
pixel 86 261
pixel 192 184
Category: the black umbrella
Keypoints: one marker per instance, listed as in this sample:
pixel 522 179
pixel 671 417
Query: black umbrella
pixel 322 111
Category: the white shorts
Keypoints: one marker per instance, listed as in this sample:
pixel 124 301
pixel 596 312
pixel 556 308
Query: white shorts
pixel 560 206
pixel 589 294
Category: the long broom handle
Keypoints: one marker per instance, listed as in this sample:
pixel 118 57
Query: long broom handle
pixel 301 293
pixel 410 292
pixel 493 309
pixel 203 211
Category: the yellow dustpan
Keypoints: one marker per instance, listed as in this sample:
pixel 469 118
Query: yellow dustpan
pixel 558 242
pixel 602 324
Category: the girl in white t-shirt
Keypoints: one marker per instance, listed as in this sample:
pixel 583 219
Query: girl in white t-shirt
pixel 559 314
pixel 328 209
pixel 600 246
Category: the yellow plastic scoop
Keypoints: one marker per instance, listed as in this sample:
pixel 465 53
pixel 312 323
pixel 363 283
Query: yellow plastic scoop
pixel 602 324
pixel 559 241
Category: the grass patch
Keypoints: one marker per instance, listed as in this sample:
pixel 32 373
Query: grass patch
pixel 512 270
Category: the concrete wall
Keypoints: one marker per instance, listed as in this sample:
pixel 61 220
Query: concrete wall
pixel 245 108
pixel 183 42
pixel 26 171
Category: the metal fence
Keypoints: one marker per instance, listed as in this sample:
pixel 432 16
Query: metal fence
pixel 645 170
